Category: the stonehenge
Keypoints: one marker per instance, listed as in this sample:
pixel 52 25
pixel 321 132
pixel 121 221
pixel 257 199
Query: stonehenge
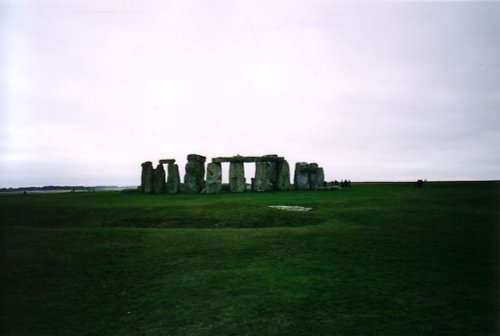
pixel 272 173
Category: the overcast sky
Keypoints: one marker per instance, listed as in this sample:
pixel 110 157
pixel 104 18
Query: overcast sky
pixel 369 91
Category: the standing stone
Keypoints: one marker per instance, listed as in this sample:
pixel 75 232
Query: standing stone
pixel 159 179
pixel 321 177
pixel 195 173
pixel 147 177
pixel 236 177
pixel 274 161
pixel 214 178
pixel 273 174
pixel 317 179
pixel 301 177
pixel 262 180
pixel 283 176
pixel 173 178
pixel 313 172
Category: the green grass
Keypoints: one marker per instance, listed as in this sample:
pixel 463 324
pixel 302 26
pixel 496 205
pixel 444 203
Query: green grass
pixel 377 259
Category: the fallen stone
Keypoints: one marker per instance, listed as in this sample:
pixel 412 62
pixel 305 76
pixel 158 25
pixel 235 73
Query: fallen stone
pixel 290 207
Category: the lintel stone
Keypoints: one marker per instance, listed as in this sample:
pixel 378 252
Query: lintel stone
pixel 239 158
pixel 167 161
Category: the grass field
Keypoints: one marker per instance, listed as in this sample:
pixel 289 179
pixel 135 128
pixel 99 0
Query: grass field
pixel 376 259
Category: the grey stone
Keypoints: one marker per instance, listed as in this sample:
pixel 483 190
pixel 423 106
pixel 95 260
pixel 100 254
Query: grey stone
pixel 159 180
pixel 173 178
pixel 313 169
pixel 273 173
pixel 196 157
pixel 214 178
pixel 239 158
pixel 317 178
pixel 283 176
pixel 167 161
pixel 147 177
pixel 308 176
pixel 262 180
pixel 301 177
pixel 195 173
pixel 237 177
pixel 262 177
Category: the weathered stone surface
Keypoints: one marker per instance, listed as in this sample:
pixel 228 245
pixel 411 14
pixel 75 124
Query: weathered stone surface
pixel 308 176
pixel 159 179
pixel 283 176
pixel 214 178
pixel 313 168
pixel 173 178
pixel 262 180
pixel 317 179
pixel 239 158
pixel 237 177
pixel 147 177
pixel 195 173
pixel 167 161
pixel 196 157
pixel 273 171
pixel 301 177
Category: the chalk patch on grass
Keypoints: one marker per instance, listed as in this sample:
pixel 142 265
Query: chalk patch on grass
pixel 290 207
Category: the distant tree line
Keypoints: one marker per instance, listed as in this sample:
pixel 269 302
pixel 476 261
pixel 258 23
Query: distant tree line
pixel 53 188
